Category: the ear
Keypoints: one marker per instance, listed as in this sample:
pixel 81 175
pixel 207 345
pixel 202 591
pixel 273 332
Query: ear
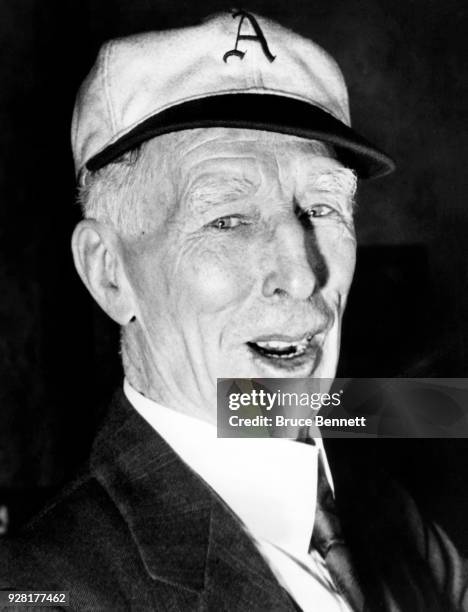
pixel 97 255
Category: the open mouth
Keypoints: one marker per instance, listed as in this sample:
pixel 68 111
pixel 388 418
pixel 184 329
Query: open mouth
pixel 285 353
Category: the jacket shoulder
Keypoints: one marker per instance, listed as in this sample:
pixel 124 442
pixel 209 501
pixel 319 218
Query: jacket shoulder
pixel 78 542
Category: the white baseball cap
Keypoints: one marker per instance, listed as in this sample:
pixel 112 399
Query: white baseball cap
pixel 233 70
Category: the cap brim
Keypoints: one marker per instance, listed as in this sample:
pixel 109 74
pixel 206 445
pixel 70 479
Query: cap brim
pixel 267 112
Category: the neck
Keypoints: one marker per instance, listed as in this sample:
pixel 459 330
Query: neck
pixel 145 376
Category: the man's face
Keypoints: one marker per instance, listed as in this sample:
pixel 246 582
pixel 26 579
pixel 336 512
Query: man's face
pixel 247 273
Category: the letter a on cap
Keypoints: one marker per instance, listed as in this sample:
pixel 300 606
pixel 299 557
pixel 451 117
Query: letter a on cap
pixel 258 36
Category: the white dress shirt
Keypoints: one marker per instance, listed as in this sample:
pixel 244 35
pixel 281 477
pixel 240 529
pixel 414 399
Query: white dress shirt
pixel 270 483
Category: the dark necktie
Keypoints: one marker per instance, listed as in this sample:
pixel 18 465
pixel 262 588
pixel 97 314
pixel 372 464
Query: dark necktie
pixel 328 540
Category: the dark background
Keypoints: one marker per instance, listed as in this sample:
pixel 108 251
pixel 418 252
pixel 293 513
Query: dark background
pixel 405 65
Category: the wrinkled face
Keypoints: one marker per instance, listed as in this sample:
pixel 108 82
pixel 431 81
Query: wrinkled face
pixel 248 269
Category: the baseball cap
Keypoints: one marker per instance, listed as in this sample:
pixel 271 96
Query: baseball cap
pixel 235 69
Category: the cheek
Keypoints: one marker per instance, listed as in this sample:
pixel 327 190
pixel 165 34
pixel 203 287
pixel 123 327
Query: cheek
pixel 148 268
pixel 338 247
pixel 347 263
pixel 215 280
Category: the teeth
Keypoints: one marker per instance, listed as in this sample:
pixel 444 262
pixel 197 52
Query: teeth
pixel 276 345
pixel 278 349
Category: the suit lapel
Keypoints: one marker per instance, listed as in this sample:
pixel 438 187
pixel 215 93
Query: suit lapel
pixel 186 535
pixel 235 565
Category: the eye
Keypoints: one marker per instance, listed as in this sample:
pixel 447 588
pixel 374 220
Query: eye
pixel 226 223
pixel 319 210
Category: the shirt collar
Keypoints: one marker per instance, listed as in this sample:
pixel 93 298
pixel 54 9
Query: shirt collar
pixel 270 483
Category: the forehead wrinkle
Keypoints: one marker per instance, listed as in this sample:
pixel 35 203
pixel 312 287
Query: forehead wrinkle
pixel 202 137
pixel 215 169
pixel 293 160
pixel 220 157
pixel 237 135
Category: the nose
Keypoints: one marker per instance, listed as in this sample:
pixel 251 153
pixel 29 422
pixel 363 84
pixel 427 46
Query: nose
pixel 293 268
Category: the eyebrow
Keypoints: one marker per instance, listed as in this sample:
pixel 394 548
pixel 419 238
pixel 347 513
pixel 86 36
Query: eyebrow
pixel 218 190
pixel 339 181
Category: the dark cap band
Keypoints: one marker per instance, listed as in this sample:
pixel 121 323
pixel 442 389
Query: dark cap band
pixel 265 112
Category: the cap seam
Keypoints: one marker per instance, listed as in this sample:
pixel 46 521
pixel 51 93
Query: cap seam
pixel 75 124
pixel 107 85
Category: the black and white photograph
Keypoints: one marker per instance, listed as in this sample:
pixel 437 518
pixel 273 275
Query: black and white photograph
pixel 234 303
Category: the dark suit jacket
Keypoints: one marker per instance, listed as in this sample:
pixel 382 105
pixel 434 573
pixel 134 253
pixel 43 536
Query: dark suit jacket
pixel 138 530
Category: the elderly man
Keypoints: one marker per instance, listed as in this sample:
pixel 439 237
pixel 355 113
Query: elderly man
pixel 217 176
